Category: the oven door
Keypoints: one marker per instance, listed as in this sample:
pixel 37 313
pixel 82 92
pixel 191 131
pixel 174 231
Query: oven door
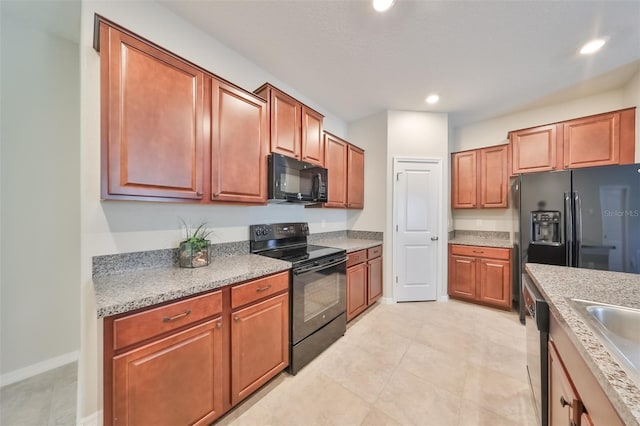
pixel 319 294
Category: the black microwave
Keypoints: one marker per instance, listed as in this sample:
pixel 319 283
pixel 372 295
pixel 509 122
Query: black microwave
pixel 292 180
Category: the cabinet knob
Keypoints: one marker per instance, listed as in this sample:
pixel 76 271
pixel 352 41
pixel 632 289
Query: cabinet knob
pixel 236 318
pixel 216 194
pixel 219 324
pixel 435 238
pixel 199 194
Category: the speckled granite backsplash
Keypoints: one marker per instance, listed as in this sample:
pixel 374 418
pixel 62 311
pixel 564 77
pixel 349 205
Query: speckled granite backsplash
pixel 139 261
pixel 493 235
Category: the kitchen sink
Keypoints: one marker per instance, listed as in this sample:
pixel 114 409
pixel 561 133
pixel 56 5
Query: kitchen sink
pixel 618 328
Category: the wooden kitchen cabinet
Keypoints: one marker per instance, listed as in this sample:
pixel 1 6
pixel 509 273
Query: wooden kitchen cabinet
pixel 165 354
pixel 355 177
pixel 600 140
pixel 239 145
pixel 259 345
pixel 335 160
pixel 345 165
pixel 480 178
pixel 152 108
pixel 364 280
pixel 190 361
pixel 480 274
pixel 295 129
pixel 538 149
pixel 571 379
pixel 596 140
pixel 172 131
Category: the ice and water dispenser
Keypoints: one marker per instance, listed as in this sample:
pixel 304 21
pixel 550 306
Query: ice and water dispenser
pixel 545 227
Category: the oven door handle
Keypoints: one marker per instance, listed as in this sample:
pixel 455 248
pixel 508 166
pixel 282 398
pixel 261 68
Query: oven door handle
pixel 319 267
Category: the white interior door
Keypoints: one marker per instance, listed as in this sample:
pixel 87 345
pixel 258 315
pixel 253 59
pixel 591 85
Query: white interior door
pixel 416 204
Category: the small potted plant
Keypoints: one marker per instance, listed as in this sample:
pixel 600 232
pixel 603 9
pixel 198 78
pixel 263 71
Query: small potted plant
pixel 195 249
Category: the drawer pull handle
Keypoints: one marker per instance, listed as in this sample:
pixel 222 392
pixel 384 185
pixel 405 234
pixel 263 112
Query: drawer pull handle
pixel 176 317
pixel 259 289
pixel 564 402
pixel 478 251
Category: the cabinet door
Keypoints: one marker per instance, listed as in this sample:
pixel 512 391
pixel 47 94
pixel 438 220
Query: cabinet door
pixel 374 277
pixel 536 150
pixel 462 277
pixel 565 407
pixel 285 124
pixel 592 141
pixel 176 380
pixel 312 143
pixel 463 180
pixel 152 114
pixel 355 177
pixel 335 160
pixel 494 177
pixel 259 345
pixel 239 145
pixel 495 282
pixel 356 290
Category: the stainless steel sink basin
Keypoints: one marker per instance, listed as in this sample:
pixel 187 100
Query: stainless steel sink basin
pixel 618 328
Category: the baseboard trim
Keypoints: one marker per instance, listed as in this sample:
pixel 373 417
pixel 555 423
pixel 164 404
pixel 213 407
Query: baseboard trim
pixel 444 298
pixel 386 300
pixel 94 419
pixel 35 369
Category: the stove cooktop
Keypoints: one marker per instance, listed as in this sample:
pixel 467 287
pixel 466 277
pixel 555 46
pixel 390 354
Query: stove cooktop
pixel 302 254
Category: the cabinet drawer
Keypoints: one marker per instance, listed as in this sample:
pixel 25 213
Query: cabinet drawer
pixel 479 251
pixel 356 257
pixel 257 289
pixel 144 325
pixel 374 252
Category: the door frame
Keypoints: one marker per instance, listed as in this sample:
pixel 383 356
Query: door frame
pixel 441 229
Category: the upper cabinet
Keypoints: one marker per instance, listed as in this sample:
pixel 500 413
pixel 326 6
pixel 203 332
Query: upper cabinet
pixel 152 113
pixel 480 178
pixel 239 145
pixel 345 165
pixel 597 140
pixel 295 129
pixel 600 140
pixel 335 160
pixel 538 149
pixel 355 177
pixel 173 132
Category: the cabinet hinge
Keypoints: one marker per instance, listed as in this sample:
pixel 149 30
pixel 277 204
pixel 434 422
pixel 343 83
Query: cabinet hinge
pixel 396 228
pixel 396 278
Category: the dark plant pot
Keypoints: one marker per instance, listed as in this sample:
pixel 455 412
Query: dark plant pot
pixel 195 255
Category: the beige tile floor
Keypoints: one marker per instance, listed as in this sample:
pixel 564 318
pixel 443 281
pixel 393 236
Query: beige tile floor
pixel 429 363
pixel 46 399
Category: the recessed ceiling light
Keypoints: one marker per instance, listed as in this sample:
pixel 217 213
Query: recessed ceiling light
pixel 382 5
pixel 432 99
pixel 592 47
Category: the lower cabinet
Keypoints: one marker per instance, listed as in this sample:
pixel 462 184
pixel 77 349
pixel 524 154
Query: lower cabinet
pixel 190 361
pixel 480 274
pixel 575 396
pixel 364 280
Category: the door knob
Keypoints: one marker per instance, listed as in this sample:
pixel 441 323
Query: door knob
pixel 434 238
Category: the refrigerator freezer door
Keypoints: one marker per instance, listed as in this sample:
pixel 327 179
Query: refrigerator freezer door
pixel 542 201
pixel 607 213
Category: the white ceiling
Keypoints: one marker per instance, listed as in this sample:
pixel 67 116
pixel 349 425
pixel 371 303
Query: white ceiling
pixel 484 58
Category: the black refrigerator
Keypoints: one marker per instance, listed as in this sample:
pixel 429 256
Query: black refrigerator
pixel 585 218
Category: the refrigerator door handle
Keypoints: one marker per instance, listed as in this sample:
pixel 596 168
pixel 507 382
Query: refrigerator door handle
pixel 578 234
pixel 568 228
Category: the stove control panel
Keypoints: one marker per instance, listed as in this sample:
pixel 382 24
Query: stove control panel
pixel 277 231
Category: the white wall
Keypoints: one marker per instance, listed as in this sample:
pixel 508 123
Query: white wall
pixel 417 134
pixel 40 169
pixel 370 134
pixel 117 227
pixel 494 132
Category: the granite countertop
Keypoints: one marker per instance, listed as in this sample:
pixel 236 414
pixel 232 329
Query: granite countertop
pixel 127 291
pixel 498 239
pixel 481 241
pixel 348 244
pixel 557 283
